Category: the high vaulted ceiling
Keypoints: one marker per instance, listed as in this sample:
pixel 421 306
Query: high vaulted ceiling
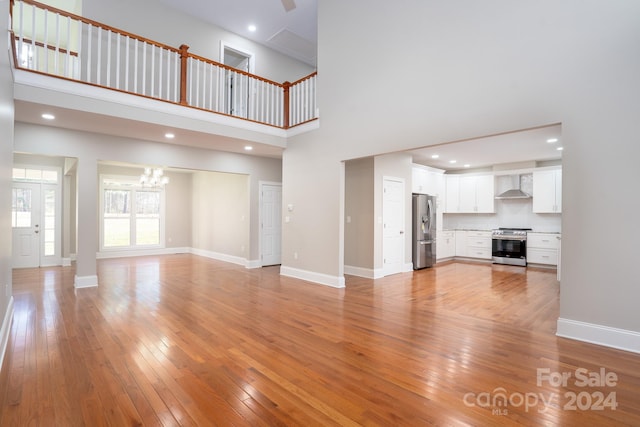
pixel 292 32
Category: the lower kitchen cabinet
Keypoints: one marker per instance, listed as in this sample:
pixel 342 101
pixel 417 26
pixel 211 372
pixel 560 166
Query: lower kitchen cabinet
pixel 542 248
pixel 479 244
pixel 473 244
pixel 446 245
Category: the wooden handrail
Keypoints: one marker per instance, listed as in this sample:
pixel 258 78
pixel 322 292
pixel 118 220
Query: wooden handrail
pixel 95 24
pixel 182 51
pixel 315 73
pixel 40 44
pixel 230 68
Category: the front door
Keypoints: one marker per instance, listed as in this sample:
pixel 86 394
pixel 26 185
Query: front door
pixel 393 200
pixel 25 218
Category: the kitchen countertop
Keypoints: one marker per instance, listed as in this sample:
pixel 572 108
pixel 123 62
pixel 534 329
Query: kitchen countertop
pixel 491 229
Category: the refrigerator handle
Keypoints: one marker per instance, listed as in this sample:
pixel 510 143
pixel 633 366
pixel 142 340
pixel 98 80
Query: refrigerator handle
pixel 429 216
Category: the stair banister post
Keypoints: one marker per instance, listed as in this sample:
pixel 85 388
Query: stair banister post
pixel 286 105
pixel 184 56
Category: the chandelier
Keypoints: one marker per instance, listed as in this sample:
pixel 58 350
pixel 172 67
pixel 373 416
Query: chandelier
pixel 153 178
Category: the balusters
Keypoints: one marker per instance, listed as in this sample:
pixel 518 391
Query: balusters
pixel 104 56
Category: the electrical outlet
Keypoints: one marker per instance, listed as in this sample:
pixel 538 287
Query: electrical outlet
pixel 295 255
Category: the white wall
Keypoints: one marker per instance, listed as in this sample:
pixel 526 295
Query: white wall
pixel 154 20
pixel 477 68
pixel 6 163
pixel 220 215
pixel 359 208
pixel 90 148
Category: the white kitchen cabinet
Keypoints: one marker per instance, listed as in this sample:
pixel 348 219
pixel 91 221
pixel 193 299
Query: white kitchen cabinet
pixel 542 248
pixel 461 243
pixel 473 244
pixel 485 194
pixel 419 177
pixel 425 181
pixel 452 194
pixel 547 191
pixel 470 194
pixel 446 245
pixel 479 244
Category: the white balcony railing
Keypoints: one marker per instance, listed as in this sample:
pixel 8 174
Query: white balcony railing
pixel 57 43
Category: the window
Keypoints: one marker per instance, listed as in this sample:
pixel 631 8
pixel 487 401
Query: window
pixel 132 216
pixel 21 208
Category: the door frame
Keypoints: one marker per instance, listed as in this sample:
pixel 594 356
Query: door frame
pixel 56 258
pixel 401 266
pixel 261 185
pixel 227 103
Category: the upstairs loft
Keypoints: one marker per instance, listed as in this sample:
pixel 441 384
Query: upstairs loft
pixel 111 79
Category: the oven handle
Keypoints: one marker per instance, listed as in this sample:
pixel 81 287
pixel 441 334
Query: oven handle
pixel 521 239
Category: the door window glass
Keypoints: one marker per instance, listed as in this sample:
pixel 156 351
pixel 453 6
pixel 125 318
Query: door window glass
pixel 21 208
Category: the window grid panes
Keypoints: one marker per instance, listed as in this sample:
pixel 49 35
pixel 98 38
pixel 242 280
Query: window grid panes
pixel 131 216
pixel 117 227
pixel 21 208
pixel 49 222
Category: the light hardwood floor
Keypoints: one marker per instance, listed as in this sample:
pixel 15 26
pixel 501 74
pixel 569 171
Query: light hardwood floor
pixel 185 340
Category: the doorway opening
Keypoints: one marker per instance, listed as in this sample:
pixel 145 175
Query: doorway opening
pixel 237 89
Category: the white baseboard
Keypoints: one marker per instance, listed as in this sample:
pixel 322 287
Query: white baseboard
pixel 141 252
pixel 66 262
pixel 5 330
pixel 219 256
pixel 255 263
pixel 621 339
pixel 368 273
pixel 85 282
pixel 311 276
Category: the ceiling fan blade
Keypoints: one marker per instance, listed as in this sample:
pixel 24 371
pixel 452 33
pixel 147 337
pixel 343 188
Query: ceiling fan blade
pixel 289 5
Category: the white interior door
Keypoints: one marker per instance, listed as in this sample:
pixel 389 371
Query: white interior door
pixel 25 218
pixel 393 225
pixel 271 224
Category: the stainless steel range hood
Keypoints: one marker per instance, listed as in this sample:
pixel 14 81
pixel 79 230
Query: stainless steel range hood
pixel 515 192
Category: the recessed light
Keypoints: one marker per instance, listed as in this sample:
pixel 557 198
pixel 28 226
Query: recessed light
pixel 252 28
pixel 552 140
pixel 559 148
pixel 435 156
pixel 453 161
pixel 467 165
pixel 248 147
pixel 48 116
pixel 169 135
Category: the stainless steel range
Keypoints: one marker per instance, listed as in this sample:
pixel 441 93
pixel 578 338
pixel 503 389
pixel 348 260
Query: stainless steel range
pixel 509 246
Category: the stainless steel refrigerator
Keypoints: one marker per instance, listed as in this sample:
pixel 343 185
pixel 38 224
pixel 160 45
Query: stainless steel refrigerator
pixel 424 231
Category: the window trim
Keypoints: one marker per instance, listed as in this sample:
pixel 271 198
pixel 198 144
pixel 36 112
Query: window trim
pixel 135 186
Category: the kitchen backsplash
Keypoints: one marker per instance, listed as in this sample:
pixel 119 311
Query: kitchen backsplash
pixel 515 213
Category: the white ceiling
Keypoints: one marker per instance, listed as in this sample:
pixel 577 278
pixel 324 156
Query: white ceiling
pixel 292 33
pixel 513 147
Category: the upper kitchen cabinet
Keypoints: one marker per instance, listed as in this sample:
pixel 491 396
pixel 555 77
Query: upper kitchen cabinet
pixel 426 181
pixel 469 194
pixel 547 191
